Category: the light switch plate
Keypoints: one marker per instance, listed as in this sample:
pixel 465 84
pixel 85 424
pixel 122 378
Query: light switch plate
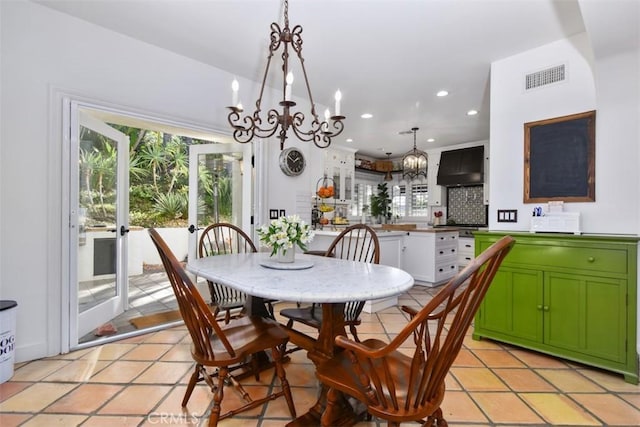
pixel 507 215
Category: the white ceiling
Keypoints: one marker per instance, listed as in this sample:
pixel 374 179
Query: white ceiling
pixel 388 57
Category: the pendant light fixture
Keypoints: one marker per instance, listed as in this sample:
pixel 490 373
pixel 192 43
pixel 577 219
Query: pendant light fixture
pixel 414 163
pixel 388 176
pixel 248 126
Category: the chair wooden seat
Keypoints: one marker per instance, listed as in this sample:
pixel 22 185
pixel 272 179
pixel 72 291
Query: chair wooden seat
pixel 223 347
pixel 401 386
pixel 358 242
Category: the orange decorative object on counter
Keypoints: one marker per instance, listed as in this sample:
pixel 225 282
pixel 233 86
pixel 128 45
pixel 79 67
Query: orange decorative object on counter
pixel 326 192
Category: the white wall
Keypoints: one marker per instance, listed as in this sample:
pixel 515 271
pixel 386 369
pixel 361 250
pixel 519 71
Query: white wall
pixel 615 210
pixel 512 106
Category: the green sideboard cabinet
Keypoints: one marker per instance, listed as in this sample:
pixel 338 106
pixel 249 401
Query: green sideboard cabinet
pixel 571 296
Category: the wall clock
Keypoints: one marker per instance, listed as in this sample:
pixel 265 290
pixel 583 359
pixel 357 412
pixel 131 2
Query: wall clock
pixel 292 162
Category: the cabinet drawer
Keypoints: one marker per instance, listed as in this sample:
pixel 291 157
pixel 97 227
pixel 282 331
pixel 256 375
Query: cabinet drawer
pixel 445 270
pixel 442 253
pixel 446 239
pixel 580 258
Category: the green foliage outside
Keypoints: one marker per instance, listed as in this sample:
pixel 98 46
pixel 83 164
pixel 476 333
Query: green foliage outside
pixel 158 180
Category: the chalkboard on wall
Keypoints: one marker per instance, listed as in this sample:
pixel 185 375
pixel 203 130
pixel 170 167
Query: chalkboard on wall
pixel 559 159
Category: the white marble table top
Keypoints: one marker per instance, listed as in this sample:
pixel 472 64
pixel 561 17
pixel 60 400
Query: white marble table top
pixel 328 280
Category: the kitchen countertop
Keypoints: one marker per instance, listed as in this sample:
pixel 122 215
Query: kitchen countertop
pixel 328 231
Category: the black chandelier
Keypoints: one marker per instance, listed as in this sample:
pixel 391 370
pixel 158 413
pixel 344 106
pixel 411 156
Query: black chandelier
pixel 248 126
pixel 414 163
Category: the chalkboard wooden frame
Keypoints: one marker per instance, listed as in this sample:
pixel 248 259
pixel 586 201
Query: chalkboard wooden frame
pixel 559 159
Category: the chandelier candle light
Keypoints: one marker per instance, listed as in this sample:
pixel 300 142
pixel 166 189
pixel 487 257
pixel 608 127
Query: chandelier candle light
pixel 248 126
pixel 414 163
pixel 282 235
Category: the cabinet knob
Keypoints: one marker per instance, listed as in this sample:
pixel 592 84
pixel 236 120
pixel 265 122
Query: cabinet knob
pixel 539 307
pixel 591 259
pixel 545 308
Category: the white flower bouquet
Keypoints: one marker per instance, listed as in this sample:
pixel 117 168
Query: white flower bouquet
pixel 285 232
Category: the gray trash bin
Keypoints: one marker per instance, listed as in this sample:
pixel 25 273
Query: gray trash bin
pixel 7 338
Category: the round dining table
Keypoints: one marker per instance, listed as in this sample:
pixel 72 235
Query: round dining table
pixel 313 279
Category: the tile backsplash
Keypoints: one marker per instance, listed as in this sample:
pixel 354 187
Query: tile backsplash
pixel 466 205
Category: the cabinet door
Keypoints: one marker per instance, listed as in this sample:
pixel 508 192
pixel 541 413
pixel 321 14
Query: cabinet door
pixel 418 255
pixel 586 314
pixel 340 166
pixel 390 250
pixel 512 305
pixel 436 192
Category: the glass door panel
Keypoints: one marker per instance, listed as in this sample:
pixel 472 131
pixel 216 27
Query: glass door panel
pixel 219 188
pixel 99 222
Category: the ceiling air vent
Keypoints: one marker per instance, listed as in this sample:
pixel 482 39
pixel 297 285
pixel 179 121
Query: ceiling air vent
pixel 545 77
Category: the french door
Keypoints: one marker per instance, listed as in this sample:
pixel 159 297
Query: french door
pixel 220 188
pixel 98 222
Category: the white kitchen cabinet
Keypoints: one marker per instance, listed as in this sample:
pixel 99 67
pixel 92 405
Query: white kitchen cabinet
pixel 437 193
pixel 390 254
pixel 466 247
pixel 430 257
pixel 390 248
pixel 339 164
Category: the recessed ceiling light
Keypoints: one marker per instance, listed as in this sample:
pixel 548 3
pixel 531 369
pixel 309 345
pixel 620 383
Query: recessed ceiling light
pixel 349 140
pixel 431 140
pixel 442 93
pixel 472 112
pixel 366 115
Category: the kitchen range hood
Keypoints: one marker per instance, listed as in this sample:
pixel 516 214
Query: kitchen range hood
pixel 461 167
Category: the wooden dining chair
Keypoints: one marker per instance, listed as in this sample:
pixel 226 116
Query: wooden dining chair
pixel 399 386
pixel 358 242
pixel 219 239
pixel 223 346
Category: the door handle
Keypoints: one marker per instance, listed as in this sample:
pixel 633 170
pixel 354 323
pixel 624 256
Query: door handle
pixel 192 228
pixel 123 230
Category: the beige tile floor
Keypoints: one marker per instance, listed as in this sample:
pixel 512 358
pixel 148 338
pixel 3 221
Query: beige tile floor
pixel 140 382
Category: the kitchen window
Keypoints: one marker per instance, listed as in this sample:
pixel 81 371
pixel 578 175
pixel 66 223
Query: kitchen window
pixel 419 200
pixel 409 200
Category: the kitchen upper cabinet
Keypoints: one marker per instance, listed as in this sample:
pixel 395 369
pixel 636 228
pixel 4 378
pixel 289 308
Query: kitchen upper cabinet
pixel 437 193
pixel 339 164
pixel 569 296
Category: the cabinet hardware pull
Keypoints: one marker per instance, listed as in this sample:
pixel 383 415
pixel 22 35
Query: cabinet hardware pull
pixel 539 307
pixel 545 308
pixel 591 259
